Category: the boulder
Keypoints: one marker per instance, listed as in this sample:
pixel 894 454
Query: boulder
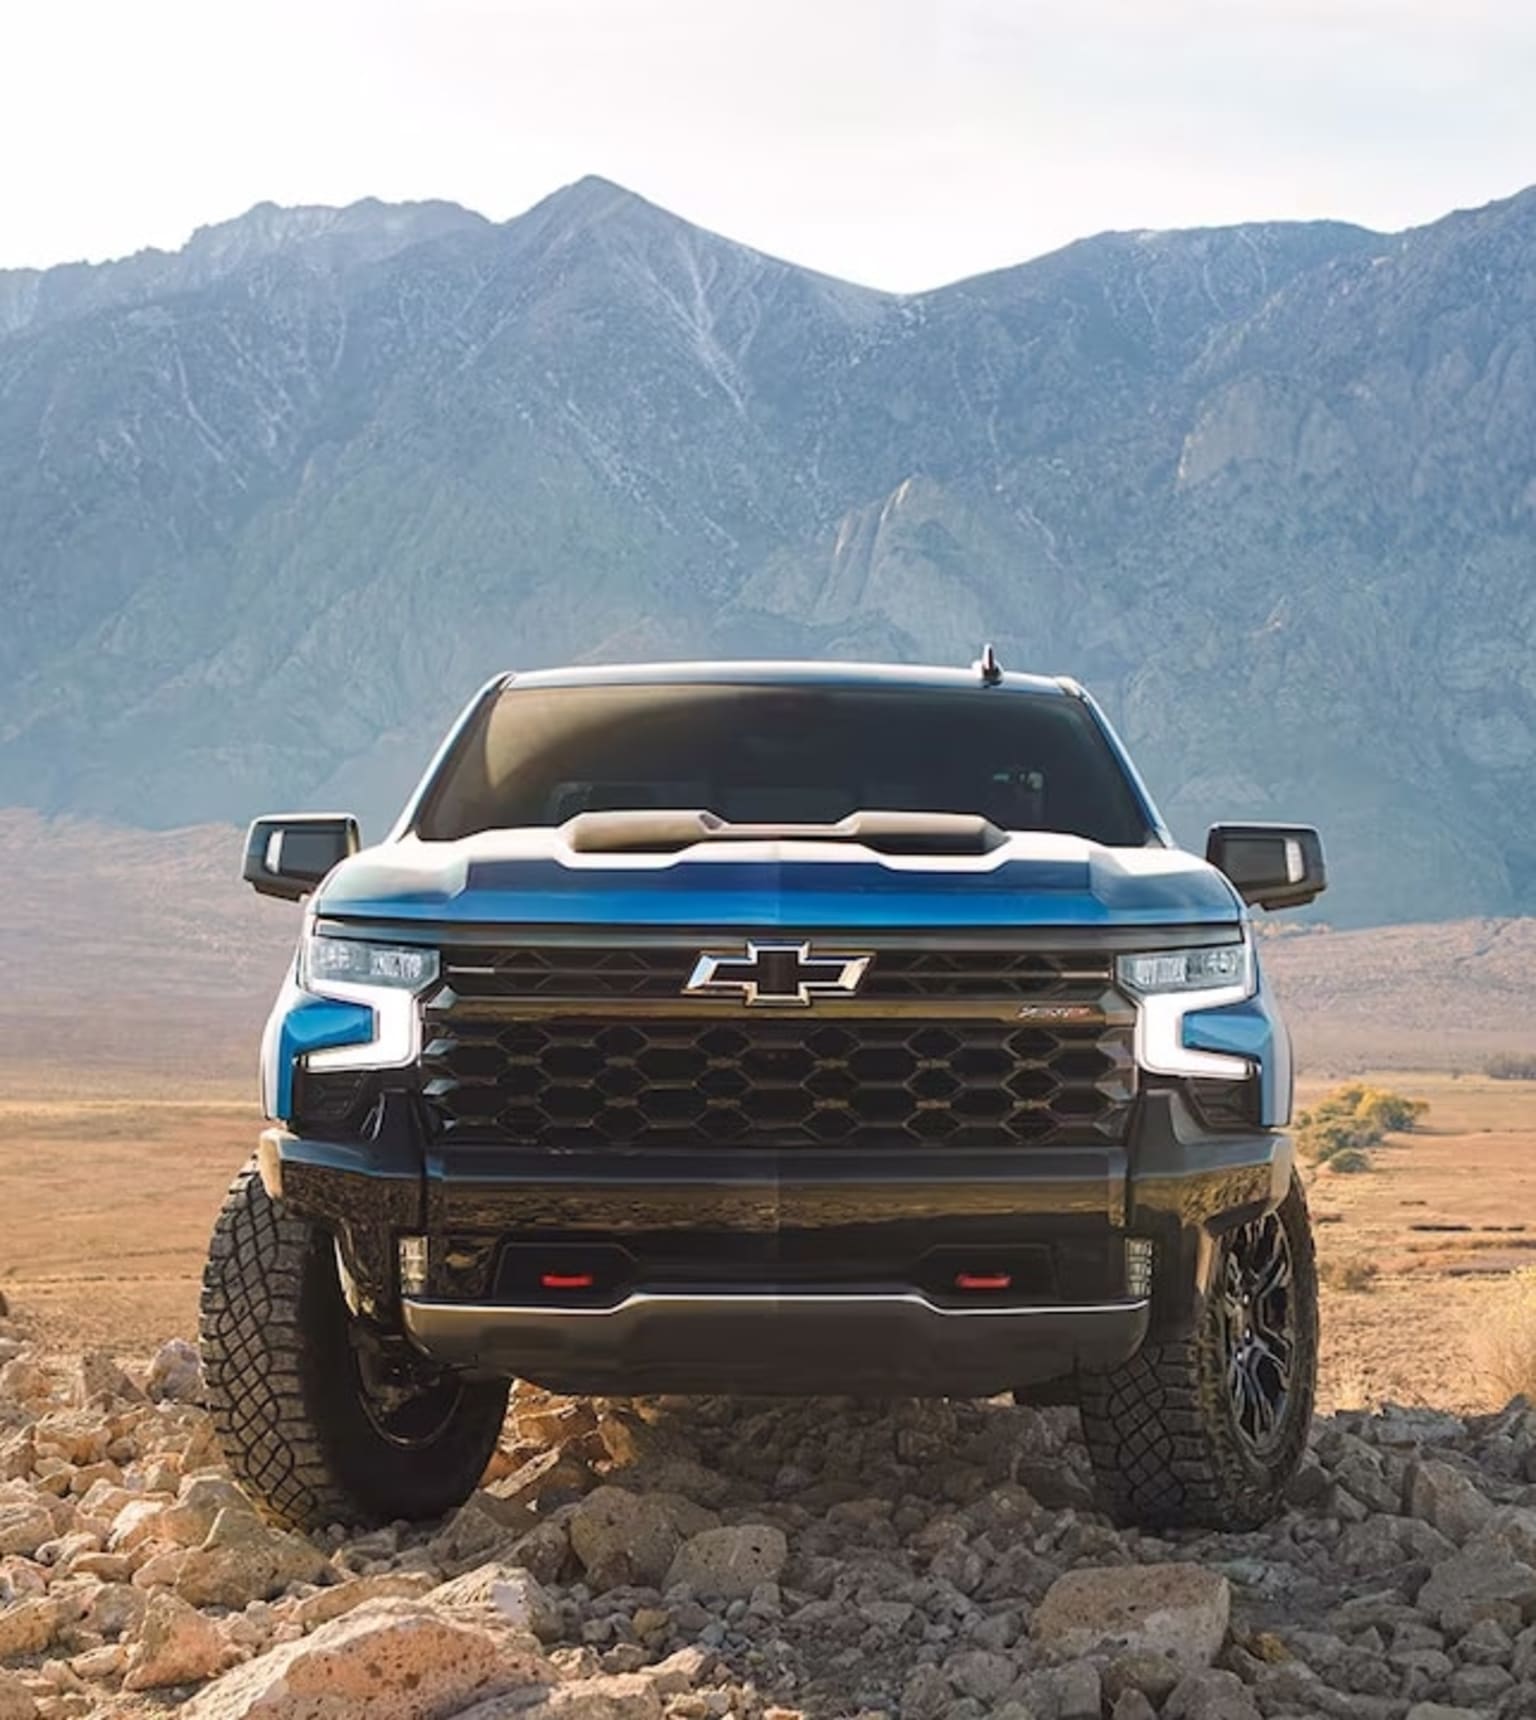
pixel 514 1595
pixel 1211 1695
pixel 1474 1583
pixel 607 1696
pixel 326 1604
pixel 176 1374
pixel 16 1701
pixel 1180 1611
pixel 176 1644
pixel 628 1538
pixel 1443 1495
pixel 389 1660
pixel 27 1626
pixel 242 1560
pixel 24 1526
pixel 98 1380
pixel 729 1563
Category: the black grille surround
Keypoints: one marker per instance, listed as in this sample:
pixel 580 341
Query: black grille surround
pixel 567 972
pixel 600 1047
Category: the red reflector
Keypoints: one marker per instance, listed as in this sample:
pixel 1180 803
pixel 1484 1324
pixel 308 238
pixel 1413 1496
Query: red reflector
pixel 566 1280
pixel 983 1280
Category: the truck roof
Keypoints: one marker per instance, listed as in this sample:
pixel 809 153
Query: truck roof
pixel 768 672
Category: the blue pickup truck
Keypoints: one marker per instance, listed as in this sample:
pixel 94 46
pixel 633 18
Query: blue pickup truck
pixel 769 1027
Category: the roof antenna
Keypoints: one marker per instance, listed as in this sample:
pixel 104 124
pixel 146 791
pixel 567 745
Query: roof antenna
pixel 991 670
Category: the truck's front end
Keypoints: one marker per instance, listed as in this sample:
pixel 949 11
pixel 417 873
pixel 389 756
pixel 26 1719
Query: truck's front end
pixel 787 1028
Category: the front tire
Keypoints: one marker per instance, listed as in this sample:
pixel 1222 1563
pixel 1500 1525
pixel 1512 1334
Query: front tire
pixel 314 1426
pixel 1208 1432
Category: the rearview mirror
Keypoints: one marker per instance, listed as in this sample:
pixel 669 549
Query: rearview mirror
pixel 1272 865
pixel 289 853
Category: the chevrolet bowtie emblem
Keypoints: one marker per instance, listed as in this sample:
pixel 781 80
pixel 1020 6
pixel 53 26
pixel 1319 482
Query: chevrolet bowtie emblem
pixel 777 974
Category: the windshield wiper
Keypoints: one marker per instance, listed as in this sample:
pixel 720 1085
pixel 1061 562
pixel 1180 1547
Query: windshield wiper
pixel 666 831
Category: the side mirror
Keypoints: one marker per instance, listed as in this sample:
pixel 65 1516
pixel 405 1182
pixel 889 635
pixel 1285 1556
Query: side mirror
pixel 288 854
pixel 1273 865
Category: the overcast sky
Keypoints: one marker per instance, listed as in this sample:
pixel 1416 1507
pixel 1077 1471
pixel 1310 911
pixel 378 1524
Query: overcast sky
pixel 896 142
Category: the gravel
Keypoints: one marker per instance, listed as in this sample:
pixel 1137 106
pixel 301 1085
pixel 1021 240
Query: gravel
pixel 673 1559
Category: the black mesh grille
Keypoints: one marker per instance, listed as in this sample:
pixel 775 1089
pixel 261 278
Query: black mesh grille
pixel 572 1082
pixel 577 972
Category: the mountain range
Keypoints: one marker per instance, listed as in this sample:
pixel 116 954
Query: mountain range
pixel 272 506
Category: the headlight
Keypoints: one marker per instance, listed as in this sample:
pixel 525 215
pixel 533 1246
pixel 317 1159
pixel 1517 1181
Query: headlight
pixel 1168 984
pixel 388 978
pixel 1207 968
pixel 329 961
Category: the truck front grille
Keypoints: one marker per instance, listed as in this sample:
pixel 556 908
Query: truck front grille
pixel 791 1081
pixel 587 973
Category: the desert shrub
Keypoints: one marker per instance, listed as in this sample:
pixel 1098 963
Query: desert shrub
pixel 1352 1118
pixel 1504 1339
pixel 1512 1066
pixel 1347 1161
pixel 1353 1272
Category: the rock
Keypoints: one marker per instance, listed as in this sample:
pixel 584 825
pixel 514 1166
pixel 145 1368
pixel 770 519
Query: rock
pixel 1442 1495
pixel 24 1527
pixel 1470 1583
pixel 326 1604
pixel 16 1701
pixel 624 1538
pixel 1438 1711
pixel 115 1609
pixel 243 1560
pixel 545 1551
pixel 390 1660
pixel 98 1380
pixel 515 1595
pixel 23 1381
pixel 926 1694
pixel 728 1563
pixel 1478 1686
pixel 1079 1694
pixel 27 1626
pixel 176 1374
pixel 1211 1695
pixel 199 1500
pixel 176 1644
pixel 610 1696
pixel 1177 1610
pixel 981 1673
pixel 1153 1674
pixel 1132 1705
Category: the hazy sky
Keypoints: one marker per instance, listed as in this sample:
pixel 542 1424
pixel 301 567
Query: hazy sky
pixel 897 142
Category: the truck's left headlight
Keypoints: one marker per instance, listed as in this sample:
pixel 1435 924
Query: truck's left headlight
pixel 1169 985
pixel 1203 968
pixel 328 961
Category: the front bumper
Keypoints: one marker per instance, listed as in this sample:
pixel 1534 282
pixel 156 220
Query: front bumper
pixel 891 1342
pixel 789 1271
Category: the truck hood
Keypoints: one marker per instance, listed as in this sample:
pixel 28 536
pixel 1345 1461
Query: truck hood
pixel 533 877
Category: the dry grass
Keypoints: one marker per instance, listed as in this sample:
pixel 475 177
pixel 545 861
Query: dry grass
pixel 1350 1272
pixel 1503 1340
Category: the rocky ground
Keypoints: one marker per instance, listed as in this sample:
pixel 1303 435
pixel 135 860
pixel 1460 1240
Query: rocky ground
pixel 634 1561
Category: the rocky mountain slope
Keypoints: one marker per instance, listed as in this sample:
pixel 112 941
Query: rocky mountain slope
pixel 271 507
pixel 638 1560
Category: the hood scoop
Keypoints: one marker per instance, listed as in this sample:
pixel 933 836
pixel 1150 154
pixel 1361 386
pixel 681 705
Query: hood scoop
pixel 665 831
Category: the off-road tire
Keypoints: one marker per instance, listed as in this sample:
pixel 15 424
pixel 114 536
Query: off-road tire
pixel 284 1389
pixel 1161 1428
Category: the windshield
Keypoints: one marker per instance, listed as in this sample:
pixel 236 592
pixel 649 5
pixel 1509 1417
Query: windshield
pixel 775 754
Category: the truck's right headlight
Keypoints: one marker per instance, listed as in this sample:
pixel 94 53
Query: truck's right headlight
pixel 1168 985
pixel 386 977
pixel 328 961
